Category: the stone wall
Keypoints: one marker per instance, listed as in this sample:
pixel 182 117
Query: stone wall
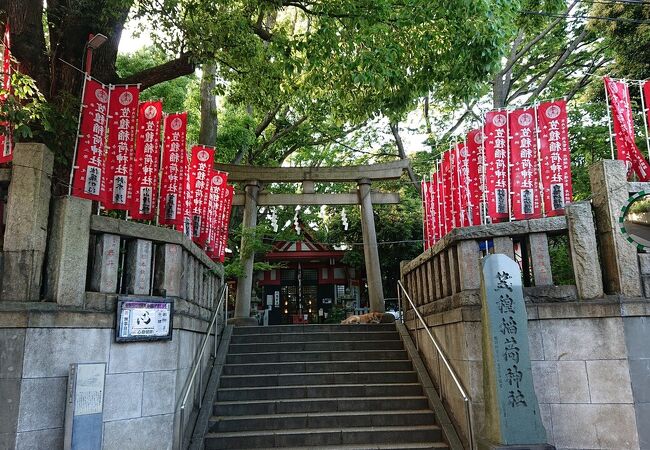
pixel 63 270
pixel 582 359
pixel 143 380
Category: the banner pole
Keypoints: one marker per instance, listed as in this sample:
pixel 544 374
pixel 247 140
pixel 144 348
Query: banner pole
pixel 538 143
pixel 644 112
pixel 424 214
pixel 483 177
pixel 76 142
pixel 609 122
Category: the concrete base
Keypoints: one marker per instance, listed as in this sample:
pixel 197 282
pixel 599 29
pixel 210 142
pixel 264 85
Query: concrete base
pixel 243 322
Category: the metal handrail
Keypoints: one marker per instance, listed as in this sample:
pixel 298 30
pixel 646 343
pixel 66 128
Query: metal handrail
pixel 459 386
pixel 199 358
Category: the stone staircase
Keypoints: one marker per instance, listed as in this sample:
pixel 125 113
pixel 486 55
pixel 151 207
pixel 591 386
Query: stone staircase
pixel 320 386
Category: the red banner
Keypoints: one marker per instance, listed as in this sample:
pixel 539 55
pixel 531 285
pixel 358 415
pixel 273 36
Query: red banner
pixel 472 175
pixel 555 156
pixel 222 235
pixel 460 197
pixel 122 117
pixel 447 195
pixel 174 160
pixel 433 210
pixel 201 167
pixel 6 138
pixel 496 166
pixel 147 158
pixel 524 170
pixel 88 179
pixel 440 196
pixel 426 213
pixel 218 189
pixel 627 151
pixel 645 88
pixel 188 197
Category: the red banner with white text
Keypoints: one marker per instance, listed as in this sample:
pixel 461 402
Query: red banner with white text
pixel 440 196
pixel 496 165
pixel 447 198
pixel 88 181
pixel 555 156
pixel 6 137
pixel 122 119
pixel 201 166
pixel 147 158
pixel 627 150
pixel 222 235
pixel 524 171
pixel 172 180
pixel 472 176
pixel 460 197
pixel 433 210
pixel 218 182
pixel 426 213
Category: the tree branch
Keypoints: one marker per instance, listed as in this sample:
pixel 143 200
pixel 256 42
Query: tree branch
pixel 163 72
pixel 266 121
pixel 538 38
pixel 558 64
pixel 394 128
pixel 280 134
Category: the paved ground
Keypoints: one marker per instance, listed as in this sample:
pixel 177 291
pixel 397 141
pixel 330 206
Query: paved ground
pixel 640 232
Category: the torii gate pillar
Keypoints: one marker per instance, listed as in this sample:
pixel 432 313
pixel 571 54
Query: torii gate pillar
pixel 245 283
pixel 370 250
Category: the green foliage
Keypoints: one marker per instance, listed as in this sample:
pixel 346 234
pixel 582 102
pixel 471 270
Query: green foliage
pixel 336 315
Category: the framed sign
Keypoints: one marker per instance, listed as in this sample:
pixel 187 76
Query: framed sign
pixel 144 319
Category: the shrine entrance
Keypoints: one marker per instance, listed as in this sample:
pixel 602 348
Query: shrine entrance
pixel 255 178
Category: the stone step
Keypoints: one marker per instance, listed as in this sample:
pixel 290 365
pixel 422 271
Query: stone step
pixel 333 378
pixel 318 391
pixel 407 446
pixel 317 367
pixel 339 404
pixel 319 437
pixel 316 346
pixel 340 355
pixel 315 328
pixel 322 420
pixel 265 338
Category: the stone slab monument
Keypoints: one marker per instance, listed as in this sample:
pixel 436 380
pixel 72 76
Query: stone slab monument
pixel 512 416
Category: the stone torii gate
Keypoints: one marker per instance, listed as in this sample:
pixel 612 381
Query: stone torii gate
pixel 255 177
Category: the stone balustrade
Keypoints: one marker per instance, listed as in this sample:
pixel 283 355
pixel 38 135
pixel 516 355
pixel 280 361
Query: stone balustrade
pixel 450 270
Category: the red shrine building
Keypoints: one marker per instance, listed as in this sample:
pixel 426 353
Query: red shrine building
pixel 311 281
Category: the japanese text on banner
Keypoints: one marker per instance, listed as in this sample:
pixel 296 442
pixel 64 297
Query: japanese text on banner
pixel 174 160
pixel 555 157
pixel 147 158
pixel 88 181
pixel 122 117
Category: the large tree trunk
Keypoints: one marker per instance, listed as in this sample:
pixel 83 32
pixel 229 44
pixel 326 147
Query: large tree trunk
pixel 209 121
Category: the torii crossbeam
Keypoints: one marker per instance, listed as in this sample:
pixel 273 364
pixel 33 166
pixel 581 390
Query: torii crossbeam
pixel 363 176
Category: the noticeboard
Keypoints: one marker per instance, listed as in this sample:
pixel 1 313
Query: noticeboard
pixel 144 319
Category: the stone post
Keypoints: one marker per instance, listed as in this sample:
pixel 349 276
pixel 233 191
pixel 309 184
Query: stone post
pixel 167 276
pixel 469 265
pixel 67 262
pixel 370 249
pixel 28 206
pixel 103 277
pixel 504 246
pixel 538 245
pixel 138 267
pixel 245 282
pixel 584 254
pixel 610 193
